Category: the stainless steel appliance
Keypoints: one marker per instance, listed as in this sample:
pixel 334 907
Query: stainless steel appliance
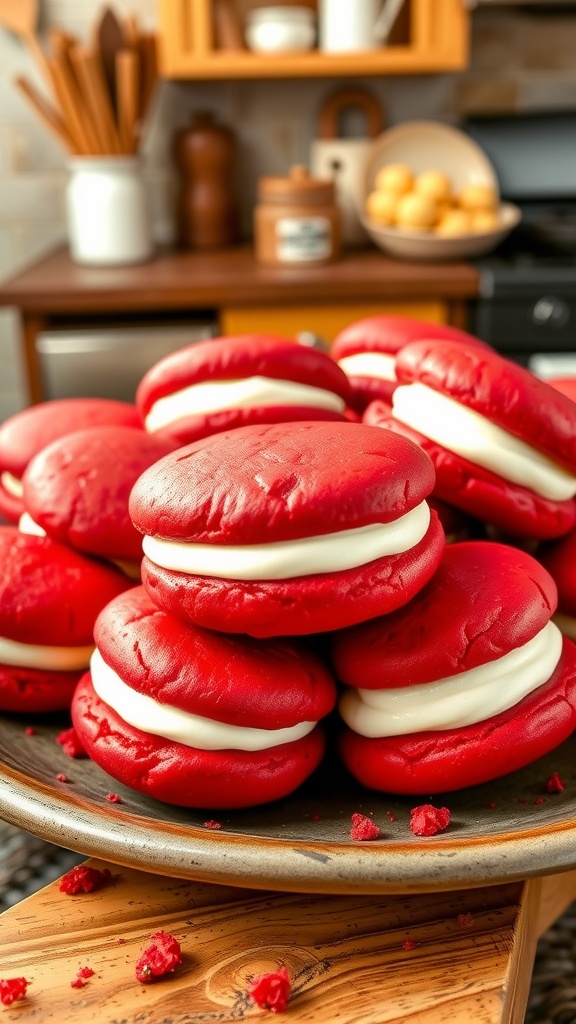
pixel 108 357
pixel 527 304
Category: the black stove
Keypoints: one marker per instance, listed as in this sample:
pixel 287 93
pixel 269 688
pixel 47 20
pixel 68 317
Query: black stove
pixel 527 303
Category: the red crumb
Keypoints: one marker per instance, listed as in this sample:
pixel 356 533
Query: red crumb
pixel 159 958
pixel 212 824
pixel 539 800
pixel 408 944
pixel 71 743
pixel 120 942
pixel 12 989
pixel 30 730
pixel 83 879
pixel 363 828
pixel 114 798
pixel 555 784
pixel 62 777
pixel 390 816
pixel 80 979
pixel 465 920
pixel 492 804
pixel 316 817
pixel 271 991
pixel 427 820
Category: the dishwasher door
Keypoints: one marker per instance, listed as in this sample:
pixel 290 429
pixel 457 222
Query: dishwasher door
pixel 109 360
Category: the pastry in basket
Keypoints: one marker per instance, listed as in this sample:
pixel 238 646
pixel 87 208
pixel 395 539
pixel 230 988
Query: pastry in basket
pixel 26 433
pixel 469 681
pixel 231 382
pixel 287 528
pixel 503 442
pixel 197 718
pixel 366 351
pixel 50 596
pixel 76 490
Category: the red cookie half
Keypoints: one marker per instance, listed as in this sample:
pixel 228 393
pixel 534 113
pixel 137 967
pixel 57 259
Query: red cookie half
pixel 267 369
pixel 244 689
pixel 486 601
pixel 287 503
pixel 50 596
pixel 77 488
pixel 385 335
pixel 432 762
pixel 23 435
pixel 482 494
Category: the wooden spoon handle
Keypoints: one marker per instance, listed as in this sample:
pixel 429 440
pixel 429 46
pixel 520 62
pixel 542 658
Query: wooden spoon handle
pixel 127 96
pixel 49 117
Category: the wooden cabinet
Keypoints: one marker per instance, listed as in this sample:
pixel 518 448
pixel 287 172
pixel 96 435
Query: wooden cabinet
pixel 436 39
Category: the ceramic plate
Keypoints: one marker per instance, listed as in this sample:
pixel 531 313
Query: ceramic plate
pixel 502 831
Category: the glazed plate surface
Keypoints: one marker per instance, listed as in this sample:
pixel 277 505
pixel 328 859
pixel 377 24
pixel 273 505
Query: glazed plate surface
pixel 502 831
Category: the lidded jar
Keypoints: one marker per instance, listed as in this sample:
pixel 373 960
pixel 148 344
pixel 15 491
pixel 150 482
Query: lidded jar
pixel 297 220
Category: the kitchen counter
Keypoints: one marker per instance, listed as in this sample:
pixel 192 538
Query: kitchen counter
pixel 234 286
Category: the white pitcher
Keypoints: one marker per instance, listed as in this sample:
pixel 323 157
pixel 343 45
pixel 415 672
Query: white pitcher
pixel 348 25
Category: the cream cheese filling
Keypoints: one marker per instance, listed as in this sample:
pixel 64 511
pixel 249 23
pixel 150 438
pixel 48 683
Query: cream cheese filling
pixel 28 525
pixel 459 700
pixel 465 432
pixel 369 364
pixel 208 397
pixel 149 715
pixel 53 659
pixel 330 552
pixel 12 484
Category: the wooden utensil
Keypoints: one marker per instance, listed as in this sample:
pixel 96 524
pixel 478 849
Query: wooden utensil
pixel 50 118
pixel 97 99
pixel 70 104
pixel 128 97
pixel 109 39
pixel 21 17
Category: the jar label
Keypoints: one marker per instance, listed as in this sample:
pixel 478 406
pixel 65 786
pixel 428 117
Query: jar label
pixel 303 238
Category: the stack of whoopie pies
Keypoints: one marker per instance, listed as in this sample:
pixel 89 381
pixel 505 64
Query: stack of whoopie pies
pixel 268 519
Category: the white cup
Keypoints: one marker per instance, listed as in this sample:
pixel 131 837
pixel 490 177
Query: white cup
pixel 347 25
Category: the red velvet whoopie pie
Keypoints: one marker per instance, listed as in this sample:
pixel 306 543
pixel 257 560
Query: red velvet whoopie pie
pixel 366 351
pixel 468 682
pixel 288 528
pixel 229 382
pixel 200 719
pixel 503 442
pixel 50 596
pixel 23 435
pixel 559 558
pixel 76 489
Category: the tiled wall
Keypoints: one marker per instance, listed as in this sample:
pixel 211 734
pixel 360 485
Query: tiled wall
pixel 520 60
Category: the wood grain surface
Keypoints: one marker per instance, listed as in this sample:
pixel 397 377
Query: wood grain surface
pixel 345 955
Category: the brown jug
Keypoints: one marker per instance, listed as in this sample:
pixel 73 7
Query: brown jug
pixel 207 210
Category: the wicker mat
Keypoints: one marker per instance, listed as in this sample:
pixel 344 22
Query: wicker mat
pixel 27 864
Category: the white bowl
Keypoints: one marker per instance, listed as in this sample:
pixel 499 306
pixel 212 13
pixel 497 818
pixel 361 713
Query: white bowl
pixel 280 29
pixel 423 146
pixel 427 246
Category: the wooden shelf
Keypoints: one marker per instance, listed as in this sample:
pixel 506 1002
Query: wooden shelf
pixel 438 41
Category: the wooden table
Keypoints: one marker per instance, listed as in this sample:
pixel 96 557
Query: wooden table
pixel 460 957
pixel 57 291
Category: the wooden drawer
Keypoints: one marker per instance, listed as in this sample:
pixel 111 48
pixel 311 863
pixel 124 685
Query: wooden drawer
pixel 325 320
